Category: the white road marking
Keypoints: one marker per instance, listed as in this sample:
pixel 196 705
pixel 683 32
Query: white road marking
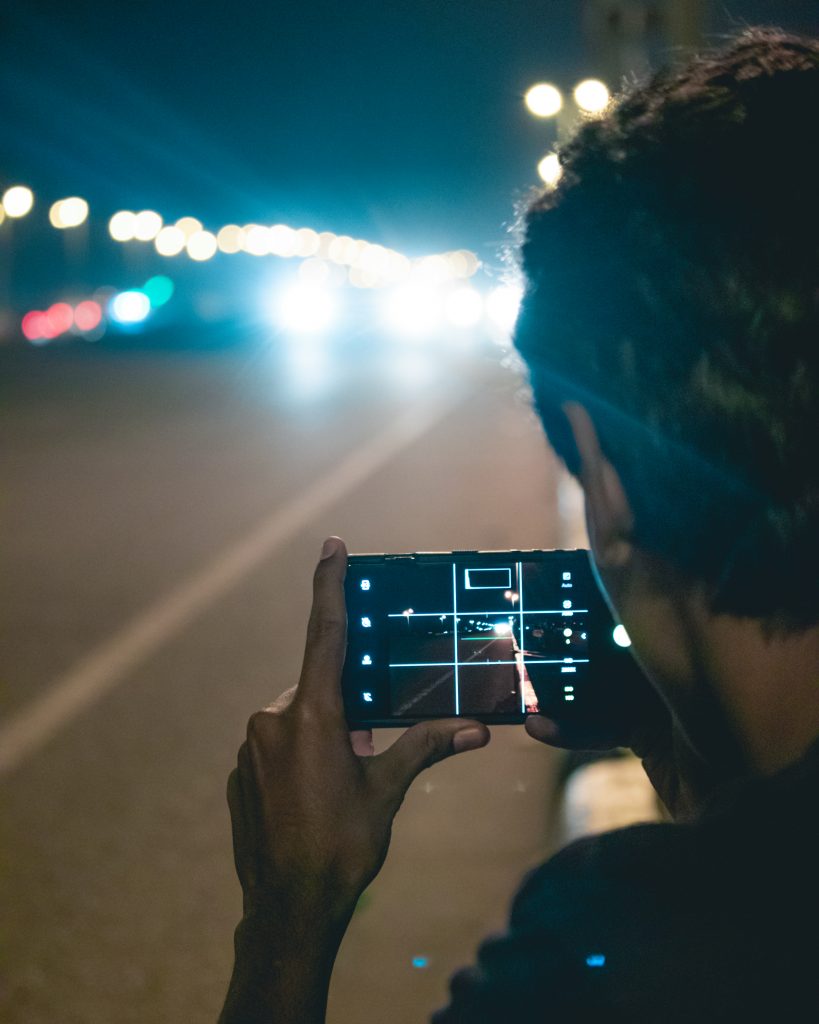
pixel 103 668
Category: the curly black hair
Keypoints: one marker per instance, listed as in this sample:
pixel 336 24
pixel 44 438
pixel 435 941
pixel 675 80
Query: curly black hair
pixel 672 287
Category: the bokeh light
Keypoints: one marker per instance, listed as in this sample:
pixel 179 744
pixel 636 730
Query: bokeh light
pixel 592 96
pixel 550 169
pixel 87 315
pixel 34 325
pixel 122 226
pixel 159 290
pixel 201 245
pixel 544 100
pixel 131 307
pixel 229 238
pixel 18 200
pixel 413 310
pixel 147 226
pixel 305 308
pixel 60 317
pixel 342 249
pixel 282 241
pixel 314 272
pixel 503 304
pixel 170 241
pixel 374 260
pixel 189 226
pixel 434 269
pixel 256 240
pixel 68 213
pixel 464 306
pixel 307 242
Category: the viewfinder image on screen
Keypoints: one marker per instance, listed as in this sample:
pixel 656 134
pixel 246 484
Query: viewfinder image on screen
pixel 454 638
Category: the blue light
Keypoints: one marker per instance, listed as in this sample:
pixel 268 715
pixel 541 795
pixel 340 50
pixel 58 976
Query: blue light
pixel 305 308
pixel 420 961
pixel 596 960
pixel 159 290
pixel 131 307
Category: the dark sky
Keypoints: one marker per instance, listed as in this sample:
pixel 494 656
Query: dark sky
pixel 401 120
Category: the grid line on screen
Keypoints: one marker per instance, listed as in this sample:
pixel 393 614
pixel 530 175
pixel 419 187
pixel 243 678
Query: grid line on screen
pixel 532 611
pixel 522 644
pixel 455 635
pixel 451 664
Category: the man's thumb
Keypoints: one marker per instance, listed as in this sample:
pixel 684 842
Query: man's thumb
pixel 427 743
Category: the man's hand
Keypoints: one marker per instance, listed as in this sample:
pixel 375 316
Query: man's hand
pixel 312 811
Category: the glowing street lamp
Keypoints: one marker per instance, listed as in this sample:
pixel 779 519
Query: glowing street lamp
pixel 592 96
pixel 147 225
pixel 543 100
pixel 122 226
pixel 550 170
pixel 68 213
pixel 17 201
pixel 170 241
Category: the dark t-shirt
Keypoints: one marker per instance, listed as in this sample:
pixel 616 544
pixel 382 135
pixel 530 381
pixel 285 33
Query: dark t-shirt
pixel 716 920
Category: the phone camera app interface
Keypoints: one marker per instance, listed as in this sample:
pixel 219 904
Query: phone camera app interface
pixel 460 638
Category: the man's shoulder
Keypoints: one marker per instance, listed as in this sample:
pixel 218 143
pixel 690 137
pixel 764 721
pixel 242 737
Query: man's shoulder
pixel 606 872
pixel 663 921
pixel 747 864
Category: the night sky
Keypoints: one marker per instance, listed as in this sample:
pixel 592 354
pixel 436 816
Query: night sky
pixel 399 121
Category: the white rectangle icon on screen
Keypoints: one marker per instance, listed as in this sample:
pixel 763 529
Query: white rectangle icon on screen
pixel 488 579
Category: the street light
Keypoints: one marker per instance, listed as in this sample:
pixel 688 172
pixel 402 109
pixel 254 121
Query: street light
pixel 68 213
pixel 544 100
pixel 122 226
pixel 591 99
pixel 550 169
pixel 17 201
pixel 592 96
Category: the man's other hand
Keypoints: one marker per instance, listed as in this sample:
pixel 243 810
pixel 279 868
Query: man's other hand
pixel 311 805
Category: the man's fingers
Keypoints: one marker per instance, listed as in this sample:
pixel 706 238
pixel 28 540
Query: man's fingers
pixel 327 629
pixel 546 730
pixel 424 745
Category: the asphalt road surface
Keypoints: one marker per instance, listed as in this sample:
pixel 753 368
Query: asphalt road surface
pixel 161 515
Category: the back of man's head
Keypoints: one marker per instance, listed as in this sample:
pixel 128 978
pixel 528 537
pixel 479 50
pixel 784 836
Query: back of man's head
pixel 672 288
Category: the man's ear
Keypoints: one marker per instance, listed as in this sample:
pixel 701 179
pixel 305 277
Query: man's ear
pixel 608 513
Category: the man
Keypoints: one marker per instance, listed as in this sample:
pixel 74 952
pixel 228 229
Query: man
pixel 670 325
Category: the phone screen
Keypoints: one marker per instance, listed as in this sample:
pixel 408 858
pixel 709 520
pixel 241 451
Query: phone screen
pixel 488 635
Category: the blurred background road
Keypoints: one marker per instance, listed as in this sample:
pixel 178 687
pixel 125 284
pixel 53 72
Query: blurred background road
pixel 129 474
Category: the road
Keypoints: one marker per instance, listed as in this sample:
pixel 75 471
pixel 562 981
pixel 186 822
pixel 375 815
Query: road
pixel 483 689
pixel 161 513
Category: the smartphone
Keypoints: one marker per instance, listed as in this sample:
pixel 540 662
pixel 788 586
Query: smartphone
pixel 489 635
